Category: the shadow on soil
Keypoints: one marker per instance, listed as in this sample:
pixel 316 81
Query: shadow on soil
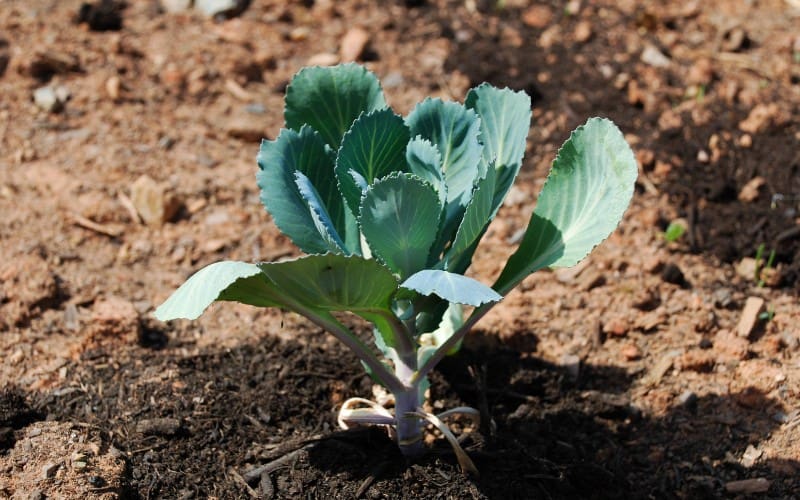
pixel 546 436
pixel 566 80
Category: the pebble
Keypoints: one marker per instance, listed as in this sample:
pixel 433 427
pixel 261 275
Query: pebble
pixel 723 298
pixel 538 16
pixel 688 399
pixel 51 99
pixel 49 470
pixel 729 345
pixel 747 321
pixel 617 326
pixel 353 44
pixel 751 456
pixel 322 59
pixel 750 191
pixel 701 72
pixel 696 360
pixel 155 204
pixel 225 8
pixel 113 86
pixel 176 5
pixel 670 121
pixel 583 31
pixel 746 268
pixel 246 127
pixel 747 486
pixel 631 352
pixel 654 57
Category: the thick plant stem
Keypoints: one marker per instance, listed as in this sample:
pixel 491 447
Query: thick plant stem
pixel 408 426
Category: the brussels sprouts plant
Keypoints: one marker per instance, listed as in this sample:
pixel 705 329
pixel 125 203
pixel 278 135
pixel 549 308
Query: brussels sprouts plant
pixel 390 211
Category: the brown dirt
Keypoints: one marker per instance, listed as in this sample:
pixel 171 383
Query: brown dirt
pixel 622 378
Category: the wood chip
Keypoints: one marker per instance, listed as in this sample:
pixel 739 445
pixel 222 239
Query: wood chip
pixel 749 318
pixel 107 230
pixel 756 485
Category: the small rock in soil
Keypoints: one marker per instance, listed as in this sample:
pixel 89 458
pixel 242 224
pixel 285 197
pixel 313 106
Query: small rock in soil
pixel 247 128
pixel 751 456
pixel 353 44
pixel 651 320
pixel 747 322
pixel 688 400
pixel 701 72
pixel 154 202
pixel 583 31
pixel 654 57
pixel 631 352
pixel 221 8
pixel 617 326
pixel 51 99
pixel 572 364
pixel 751 190
pixel 729 345
pixel 322 59
pixel 723 298
pixel 538 16
pixel 175 5
pixel 747 486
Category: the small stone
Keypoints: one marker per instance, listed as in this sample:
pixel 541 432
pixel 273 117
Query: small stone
pixel 746 141
pixel 173 6
pixel 747 486
pixel 617 326
pixel 654 57
pixel 113 86
pixel 631 352
pixel 538 16
pixel 723 298
pixel 752 308
pixel 650 321
pixel 155 204
pixel 790 340
pixel 299 33
pixel 750 191
pixel 646 299
pixel 51 99
pixel 322 59
pixel 353 44
pixel 583 31
pixel 247 128
pixel 746 268
pixel 751 456
pixel 159 426
pixel 49 470
pixel 750 397
pixel 221 8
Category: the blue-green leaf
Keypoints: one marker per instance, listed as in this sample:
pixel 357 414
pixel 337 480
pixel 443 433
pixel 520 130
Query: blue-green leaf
pixel 319 214
pixel 329 99
pixel 334 282
pixel 425 162
pixel 398 219
pixel 227 280
pixel 582 201
pixel 454 130
pixel 505 121
pixel 476 217
pixel 455 288
pixel 372 148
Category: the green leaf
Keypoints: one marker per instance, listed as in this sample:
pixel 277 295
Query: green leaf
pixel 424 161
pixel 372 148
pixel 319 215
pixel 581 203
pixel 334 282
pixel 505 120
pixel 455 288
pixel 476 217
pixel 278 160
pixel 454 130
pixel 398 220
pixel 329 99
pixel 227 280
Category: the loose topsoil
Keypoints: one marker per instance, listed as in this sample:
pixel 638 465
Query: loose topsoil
pixel 640 373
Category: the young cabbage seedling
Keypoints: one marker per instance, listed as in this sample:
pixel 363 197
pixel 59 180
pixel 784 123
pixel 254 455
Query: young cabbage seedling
pixel 391 209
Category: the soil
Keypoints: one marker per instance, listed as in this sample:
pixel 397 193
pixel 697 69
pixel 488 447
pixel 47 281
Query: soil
pixel 638 374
